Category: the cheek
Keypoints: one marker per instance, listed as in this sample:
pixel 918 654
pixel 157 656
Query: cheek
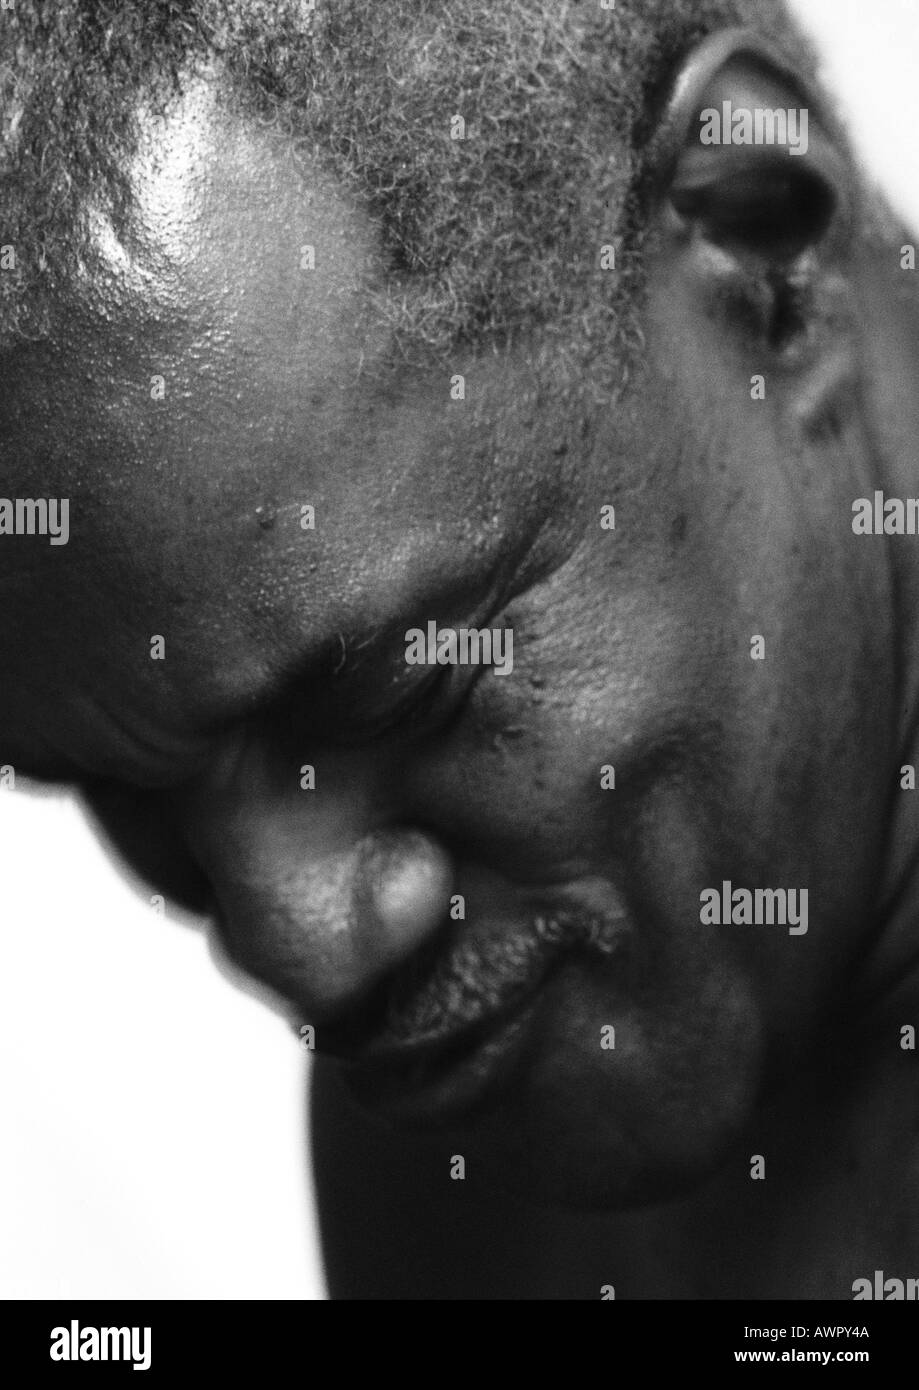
pixel 631 1092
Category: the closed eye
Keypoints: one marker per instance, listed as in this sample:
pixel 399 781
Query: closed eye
pixel 417 708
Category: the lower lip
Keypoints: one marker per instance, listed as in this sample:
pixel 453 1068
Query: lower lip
pixel 432 1086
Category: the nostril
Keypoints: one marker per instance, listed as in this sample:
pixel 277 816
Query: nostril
pixel 405 880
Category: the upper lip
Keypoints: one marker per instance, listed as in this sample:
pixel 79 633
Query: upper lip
pixel 463 985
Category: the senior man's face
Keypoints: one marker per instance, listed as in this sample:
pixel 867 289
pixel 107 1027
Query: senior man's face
pixel 464 904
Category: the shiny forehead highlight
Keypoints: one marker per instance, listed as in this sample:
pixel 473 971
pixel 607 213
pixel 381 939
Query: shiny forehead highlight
pixel 485 237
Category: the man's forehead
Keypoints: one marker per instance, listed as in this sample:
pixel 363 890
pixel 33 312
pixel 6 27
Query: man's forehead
pixel 235 234
pixel 493 147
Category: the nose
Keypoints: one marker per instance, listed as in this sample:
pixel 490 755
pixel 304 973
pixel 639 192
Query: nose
pixel 319 893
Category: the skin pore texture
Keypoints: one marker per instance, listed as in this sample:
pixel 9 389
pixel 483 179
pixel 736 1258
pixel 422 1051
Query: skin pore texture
pixel 330 388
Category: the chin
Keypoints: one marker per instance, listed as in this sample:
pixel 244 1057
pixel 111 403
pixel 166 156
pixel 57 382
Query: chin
pixel 572 1157
pixel 541 1111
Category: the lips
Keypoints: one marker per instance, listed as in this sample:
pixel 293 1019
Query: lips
pixel 441 1034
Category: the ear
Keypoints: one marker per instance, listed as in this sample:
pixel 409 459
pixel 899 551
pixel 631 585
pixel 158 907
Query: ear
pixel 755 190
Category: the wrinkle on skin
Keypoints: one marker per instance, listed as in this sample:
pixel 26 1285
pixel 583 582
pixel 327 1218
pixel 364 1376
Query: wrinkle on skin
pixel 632 648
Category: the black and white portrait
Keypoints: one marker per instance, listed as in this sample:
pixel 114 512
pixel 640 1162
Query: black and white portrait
pixel 459 659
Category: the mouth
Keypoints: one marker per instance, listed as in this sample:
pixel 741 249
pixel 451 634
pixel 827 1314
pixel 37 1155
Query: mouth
pixel 443 1035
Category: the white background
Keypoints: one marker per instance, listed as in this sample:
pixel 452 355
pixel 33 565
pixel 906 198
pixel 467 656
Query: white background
pixel 153 1125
